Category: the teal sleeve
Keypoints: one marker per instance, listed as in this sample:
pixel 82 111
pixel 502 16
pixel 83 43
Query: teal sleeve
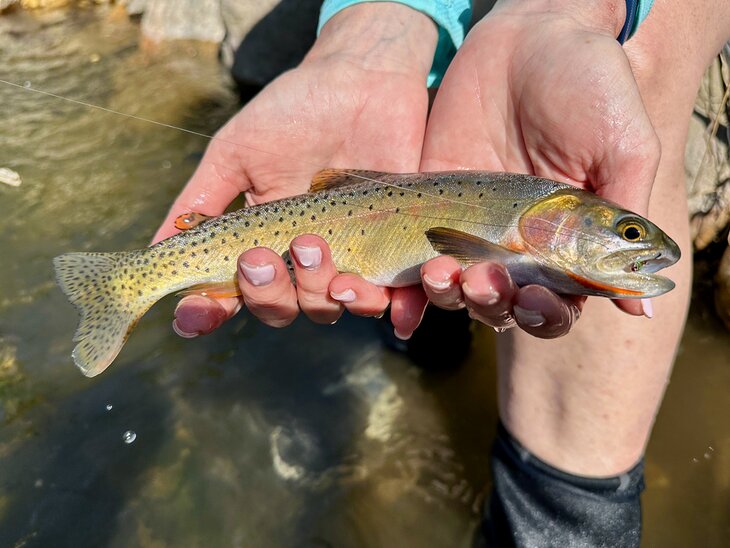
pixel 642 10
pixel 451 16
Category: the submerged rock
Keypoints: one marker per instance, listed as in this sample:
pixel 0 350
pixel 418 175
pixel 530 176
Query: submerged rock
pixel 9 177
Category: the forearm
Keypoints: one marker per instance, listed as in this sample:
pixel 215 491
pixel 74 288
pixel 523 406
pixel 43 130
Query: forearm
pixel 381 36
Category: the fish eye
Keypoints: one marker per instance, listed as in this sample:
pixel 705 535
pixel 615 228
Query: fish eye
pixel 632 231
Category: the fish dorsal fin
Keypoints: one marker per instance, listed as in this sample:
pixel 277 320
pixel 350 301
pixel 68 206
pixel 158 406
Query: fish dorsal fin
pixel 328 179
pixel 467 248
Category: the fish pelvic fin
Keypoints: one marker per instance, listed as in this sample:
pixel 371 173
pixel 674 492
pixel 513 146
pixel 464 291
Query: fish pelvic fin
pixel 109 308
pixel 467 248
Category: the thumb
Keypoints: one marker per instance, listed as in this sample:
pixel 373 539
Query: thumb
pixel 626 174
pixel 217 181
pixel 626 177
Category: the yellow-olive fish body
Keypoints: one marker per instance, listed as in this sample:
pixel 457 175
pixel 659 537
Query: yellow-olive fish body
pixel 383 227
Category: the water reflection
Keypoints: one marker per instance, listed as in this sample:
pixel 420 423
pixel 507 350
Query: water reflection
pixel 311 436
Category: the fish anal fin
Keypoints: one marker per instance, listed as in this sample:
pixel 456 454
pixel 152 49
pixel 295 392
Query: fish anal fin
pixel 189 220
pixel 467 248
pixel 215 290
pixel 328 179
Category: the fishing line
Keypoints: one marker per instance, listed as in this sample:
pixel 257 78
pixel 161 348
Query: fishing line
pixel 227 141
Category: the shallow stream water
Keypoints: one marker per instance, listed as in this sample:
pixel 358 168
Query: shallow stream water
pixel 309 436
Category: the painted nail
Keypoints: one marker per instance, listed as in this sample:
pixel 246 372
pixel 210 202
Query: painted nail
pixel 258 275
pixel 489 298
pixel 183 334
pixel 530 318
pixel 309 257
pixel 438 286
pixel 347 296
pixel 647 308
pixel 402 336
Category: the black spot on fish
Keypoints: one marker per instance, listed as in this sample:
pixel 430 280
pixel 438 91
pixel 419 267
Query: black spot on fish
pixel 349 213
pixel 255 242
pixel 329 232
pixel 223 241
pixel 235 235
pixel 460 194
pixel 225 258
pixel 419 195
pixel 481 194
pixel 313 217
pixel 246 224
pixel 514 205
pixel 390 193
pixel 397 210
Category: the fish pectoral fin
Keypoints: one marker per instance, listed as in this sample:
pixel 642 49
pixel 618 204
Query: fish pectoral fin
pixel 216 290
pixel 328 179
pixel 189 220
pixel 467 248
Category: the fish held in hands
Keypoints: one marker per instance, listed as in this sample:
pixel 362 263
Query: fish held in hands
pixel 382 226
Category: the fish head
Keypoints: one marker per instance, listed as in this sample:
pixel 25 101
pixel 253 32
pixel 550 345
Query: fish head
pixel 606 249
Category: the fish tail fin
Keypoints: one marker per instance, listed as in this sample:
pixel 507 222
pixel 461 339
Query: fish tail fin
pixel 109 304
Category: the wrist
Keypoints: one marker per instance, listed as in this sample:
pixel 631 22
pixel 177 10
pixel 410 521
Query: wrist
pixel 380 36
pixel 605 16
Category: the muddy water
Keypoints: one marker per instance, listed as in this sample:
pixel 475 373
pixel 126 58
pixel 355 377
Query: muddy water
pixel 310 436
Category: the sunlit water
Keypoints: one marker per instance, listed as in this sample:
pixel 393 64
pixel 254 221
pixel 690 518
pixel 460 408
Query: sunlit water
pixel 309 436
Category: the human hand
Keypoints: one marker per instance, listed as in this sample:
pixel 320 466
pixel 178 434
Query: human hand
pixel 543 88
pixel 357 100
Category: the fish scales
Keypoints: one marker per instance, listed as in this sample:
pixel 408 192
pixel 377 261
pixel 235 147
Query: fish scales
pixel 376 225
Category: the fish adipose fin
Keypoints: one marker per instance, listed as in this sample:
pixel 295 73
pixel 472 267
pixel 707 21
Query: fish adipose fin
pixel 327 179
pixel 216 290
pixel 189 220
pixel 109 303
pixel 467 248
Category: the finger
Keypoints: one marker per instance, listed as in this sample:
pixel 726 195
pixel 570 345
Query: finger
pixel 359 296
pixel 314 269
pixel 266 287
pixel 440 278
pixel 216 182
pixel 197 315
pixel 488 294
pixel 406 310
pixel 635 307
pixel 541 313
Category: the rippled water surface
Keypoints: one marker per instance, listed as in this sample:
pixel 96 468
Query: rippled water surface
pixel 310 436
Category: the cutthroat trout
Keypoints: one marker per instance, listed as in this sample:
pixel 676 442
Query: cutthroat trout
pixel 382 226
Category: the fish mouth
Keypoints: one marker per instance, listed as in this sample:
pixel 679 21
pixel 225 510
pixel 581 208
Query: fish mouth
pixel 636 269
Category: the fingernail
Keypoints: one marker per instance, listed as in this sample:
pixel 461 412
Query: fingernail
pixel 309 257
pixel 347 296
pixel 258 275
pixel 183 334
pixel 437 286
pixel 489 298
pixel 530 318
pixel 647 308
pixel 402 336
